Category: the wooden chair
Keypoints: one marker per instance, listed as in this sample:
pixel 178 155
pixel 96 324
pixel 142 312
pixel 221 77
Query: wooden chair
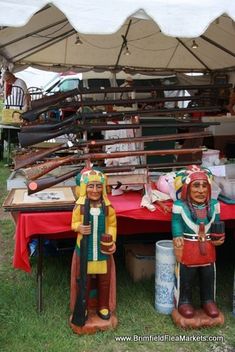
pixel 15 99
pixel 35 93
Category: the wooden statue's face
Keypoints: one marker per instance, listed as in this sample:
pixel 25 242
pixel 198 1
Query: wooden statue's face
pixel 198 191
pixel 94 190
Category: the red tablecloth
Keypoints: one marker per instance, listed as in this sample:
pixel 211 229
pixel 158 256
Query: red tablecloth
pixel 131 219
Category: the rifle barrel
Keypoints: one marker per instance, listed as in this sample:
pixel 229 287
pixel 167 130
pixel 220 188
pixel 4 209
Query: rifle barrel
pixel 167 137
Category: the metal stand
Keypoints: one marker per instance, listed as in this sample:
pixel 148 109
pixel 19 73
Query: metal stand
pixel 7 134
pixel 234 294
pixel 39 274
pixel 8 145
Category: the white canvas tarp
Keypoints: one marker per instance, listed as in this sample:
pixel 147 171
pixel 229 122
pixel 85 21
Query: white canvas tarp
pixel 159 35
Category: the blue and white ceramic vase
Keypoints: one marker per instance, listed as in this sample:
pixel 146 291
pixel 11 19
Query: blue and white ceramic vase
pixel 164 277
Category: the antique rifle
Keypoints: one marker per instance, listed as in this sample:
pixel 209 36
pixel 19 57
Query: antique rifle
pixel 153 88
pixel 31 138
pixel 34 114
pixel 47 182
pixel 45 127
pixel 31 157
pixel 80 307
pixel 46 103
pixel 39 170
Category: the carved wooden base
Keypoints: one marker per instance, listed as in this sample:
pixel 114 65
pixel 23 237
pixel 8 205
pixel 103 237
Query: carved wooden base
pixel 201 319
pixel 94 323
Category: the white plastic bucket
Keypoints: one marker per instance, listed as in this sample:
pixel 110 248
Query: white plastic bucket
pixel 164 277
pixel 210 157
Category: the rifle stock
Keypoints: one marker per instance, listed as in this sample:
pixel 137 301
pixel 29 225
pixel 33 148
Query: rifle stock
pixel 47 182
pixel 50 126
pixel 39 170
pixel 40 104
pixel 31 138
pixel 80 308
pixel 29 159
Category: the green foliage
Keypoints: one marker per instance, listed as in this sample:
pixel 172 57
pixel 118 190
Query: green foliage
pixel 23 329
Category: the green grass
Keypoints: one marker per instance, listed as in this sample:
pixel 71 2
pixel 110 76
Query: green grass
pixel 23 329
pixel 4 174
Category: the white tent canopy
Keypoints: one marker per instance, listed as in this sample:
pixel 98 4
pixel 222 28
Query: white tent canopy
pixel 158 34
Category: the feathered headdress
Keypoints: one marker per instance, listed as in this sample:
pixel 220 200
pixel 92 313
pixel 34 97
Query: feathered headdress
pixel 186 176
pixel 90 175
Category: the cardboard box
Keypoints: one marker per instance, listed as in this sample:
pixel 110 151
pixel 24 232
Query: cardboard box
pixel 226 184
pixel 140 261
pixel 11 116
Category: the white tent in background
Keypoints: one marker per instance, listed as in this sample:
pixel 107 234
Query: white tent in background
pixel 158 34
pixel 36 78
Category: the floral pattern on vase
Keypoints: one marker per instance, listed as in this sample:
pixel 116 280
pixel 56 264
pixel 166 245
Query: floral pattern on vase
pixel 164 278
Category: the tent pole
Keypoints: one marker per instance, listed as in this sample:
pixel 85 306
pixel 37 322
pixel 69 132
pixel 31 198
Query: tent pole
pixel 45 44
pixel 33 33
pixel 217 45
pixel 123 44
pixel 190 51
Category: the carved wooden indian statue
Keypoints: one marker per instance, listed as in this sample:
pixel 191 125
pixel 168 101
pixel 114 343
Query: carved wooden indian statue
pixel 93 279
pixel 196 230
